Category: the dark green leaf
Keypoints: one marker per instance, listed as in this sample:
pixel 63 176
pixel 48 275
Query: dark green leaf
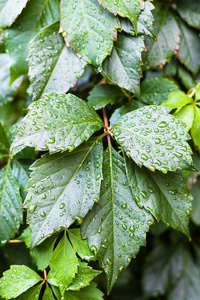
pixel 186 78
pixel 104 94
pixel 4 144
pixel 119 112
pixel 64 264
pixel 36 15
pixel 80 245
pixel 195 191
pixel 195 130
pixel 177 99
pixel 190 12
pixel 83 278
pixel 163 267
pixel 10 284
pixel 165 196
pixel 144 22
pixel 10 205
pixel 87 26
pixel 63 188
pixel 57 122
pixel 123 67
pixel 87 293
pixel 189 51
pixel 156 90
pixel 168 37
pixel 126 8
pixel 53 66
pixel 149 134
pixel 9 11
pixel 186 114
pixel 116 227
pixel 31 294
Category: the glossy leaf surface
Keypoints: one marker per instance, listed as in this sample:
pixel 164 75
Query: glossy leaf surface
pixel 9 11
pixel 186 114
pixel 190 12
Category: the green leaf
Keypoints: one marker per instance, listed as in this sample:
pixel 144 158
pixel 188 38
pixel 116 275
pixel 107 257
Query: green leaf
pixel 177 99
pixel 7 92
pixel 57 122
pixel 197 94
pixel 104 94
pixel 80 245
pixel 149 134
pixel 186 78
pixel 63 188
pixel 4 144
pixel 168 37
pixel 64 264
pixel 126 8
pixel 156 90
pixel 10 205
pixel 116 227
pixel 165 196
pixel 9 11
pixel 52 66
pixel 163 267
pixel 21 172
pixel 123 67
pixel 186 114
pixel 48 294
pixel 190 12
pixel 31 294
pixel 195 191
pixel 86 25
pixel 189 51
pixel 42 253
pixel 144 22
pixel 187 286
pixel 119 112
pixel 88 293
pixel 26 237
pixel 10 284
pixel 36 15
pixel 195 130
pixel 83 278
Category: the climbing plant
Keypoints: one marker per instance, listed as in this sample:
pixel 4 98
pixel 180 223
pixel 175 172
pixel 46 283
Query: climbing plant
pixel 99 149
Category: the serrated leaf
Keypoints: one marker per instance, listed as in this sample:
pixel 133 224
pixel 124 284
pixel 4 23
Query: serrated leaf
pixel 195 191
pixel 10 283
pixel 48 295
pixel 63 188
pixel 64 264
pixel 149 134
pixel 83 278
pixel 195 130
pixel 177 99
pixel 88 293
pixel 36 15
pixel 89 29
pixel 9 11
pixel 189 55
pixel 186 114
pixel 7 92
pixel 119 112
pixel 52 66
pixel 116 227
pixel 4 144
pixel 144 22
pixel 26 237
pixel 126 8
pixel 10 205
pixel 156 90
pixel 163 267
pixel 104 94
pixel 123 66
pixel 168 37
pixel 57 122
pixel 187 286
pixel 80 245
pixel 31 294
pixel 165 196
pixel 21 172
pixel 190 12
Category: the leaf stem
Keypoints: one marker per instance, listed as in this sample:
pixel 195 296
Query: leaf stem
pixel 105 118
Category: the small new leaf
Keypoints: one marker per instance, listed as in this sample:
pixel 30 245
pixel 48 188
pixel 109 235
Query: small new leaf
pixel 177 99
pixel 149 134
pixel 186 114
pixel 57 122
pixel 195 130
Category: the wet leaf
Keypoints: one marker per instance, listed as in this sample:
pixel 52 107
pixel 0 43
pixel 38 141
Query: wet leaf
pixel 190 12
pixel 89 292
pixel 119 112
pixel 57 122
pixel 186 114
pixel 149 134
pixel 9 11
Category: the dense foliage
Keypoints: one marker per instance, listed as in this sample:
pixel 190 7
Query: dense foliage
pixel 99 149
